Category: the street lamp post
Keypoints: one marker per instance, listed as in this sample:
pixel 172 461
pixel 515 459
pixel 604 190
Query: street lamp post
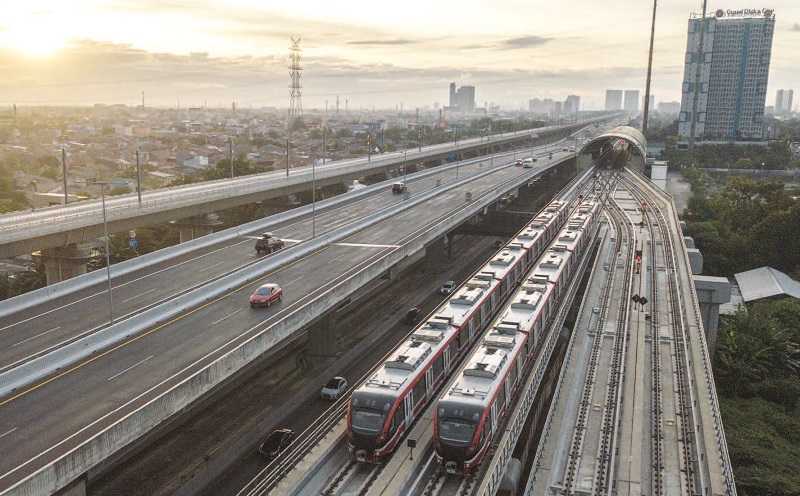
pixel 313 199
pixel 405 164
pixel 102 185
pixel 138 178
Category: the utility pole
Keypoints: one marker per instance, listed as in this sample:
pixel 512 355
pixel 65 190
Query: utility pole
pixel 230 155
pixel 419 138
pixel 139 178
pixel 649 73
pixel 64 173
pixel 102 185
pixel 698 70
pixel 324 142
pixel 369 147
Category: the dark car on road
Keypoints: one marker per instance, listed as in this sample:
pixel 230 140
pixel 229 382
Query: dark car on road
pixel 277 441
pixel 412 315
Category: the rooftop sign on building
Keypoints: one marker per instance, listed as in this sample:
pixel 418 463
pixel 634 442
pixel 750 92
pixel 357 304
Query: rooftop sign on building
pixel 744 13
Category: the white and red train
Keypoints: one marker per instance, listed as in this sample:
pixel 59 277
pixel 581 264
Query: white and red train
pixel 382 407
pixel 474 406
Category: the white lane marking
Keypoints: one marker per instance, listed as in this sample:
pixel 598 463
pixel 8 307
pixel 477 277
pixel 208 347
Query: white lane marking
pixel 287 240
pixel 120 285
pixel 7 433
pixel 365 245
pixel 129 368
pixel 294 280
pixel 126 300
pixel 36 336
pixel 225 317
pixel 209 267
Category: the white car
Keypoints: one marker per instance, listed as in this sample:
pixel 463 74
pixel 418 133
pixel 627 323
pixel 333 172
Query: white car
pixel 334 388
pixel 447 287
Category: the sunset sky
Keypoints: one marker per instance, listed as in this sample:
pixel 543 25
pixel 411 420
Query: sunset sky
pixel 375 53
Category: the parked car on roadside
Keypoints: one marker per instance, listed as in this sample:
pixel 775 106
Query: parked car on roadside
pixel 447 287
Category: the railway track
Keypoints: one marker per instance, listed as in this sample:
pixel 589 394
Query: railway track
pixel 673 470
pixel 605 368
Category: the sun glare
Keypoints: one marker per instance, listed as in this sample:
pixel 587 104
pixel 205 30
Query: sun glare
pixel 40 37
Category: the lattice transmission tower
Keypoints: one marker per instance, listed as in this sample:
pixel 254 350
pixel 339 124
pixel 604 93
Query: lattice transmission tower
pixel 295 73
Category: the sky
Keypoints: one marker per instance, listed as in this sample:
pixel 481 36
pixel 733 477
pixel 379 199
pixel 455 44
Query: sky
pixel 374 53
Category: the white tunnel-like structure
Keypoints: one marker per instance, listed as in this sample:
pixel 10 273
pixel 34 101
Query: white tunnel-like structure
pixel 631 135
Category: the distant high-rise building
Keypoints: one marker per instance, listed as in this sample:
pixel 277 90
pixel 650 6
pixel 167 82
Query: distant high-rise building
pixel 462 99
pixel 631 101
pixel 557 108
pixel 670 108
pixel 613 99
pixel 572 104
pixel 783 101
pixel 727 101
pixel 466 98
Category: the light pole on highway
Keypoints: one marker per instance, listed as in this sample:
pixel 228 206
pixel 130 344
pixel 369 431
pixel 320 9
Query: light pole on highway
pixel 138 178
pixel 405 164
pixel 102 185
pixel 313 198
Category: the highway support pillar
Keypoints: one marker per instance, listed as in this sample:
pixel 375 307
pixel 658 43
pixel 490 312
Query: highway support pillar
pixel 63 262
pixel 194 227
pixel 711 293
pixel 323 337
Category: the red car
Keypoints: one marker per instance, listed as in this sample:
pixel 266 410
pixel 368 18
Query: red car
pixel 266 295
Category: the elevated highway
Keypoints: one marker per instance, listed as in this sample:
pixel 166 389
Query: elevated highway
pixel 56 227
pixel 58 428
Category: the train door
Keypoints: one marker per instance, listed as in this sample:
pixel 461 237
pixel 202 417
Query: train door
pixel 493 418
pixel 407 410
pixel 447 358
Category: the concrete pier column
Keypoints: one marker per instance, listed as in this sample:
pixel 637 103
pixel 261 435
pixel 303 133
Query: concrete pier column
pixel 194 227
pixel 323 337
pixel 63 262
pixel 711 293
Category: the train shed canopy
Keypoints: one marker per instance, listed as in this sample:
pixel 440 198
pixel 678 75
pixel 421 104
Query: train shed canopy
pixel 627 133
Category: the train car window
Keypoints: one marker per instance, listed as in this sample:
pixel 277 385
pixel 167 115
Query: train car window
pixel 512 374
pixel 369 411
pixel 462 337
pixel 438 366
pixel 457 423
pixel 419 393
pixel 501 396
pixel 398 419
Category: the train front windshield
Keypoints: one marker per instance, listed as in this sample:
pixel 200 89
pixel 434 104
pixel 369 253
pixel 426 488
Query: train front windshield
pixel 369 411
pixel 457 423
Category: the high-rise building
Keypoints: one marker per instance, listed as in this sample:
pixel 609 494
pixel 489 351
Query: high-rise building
pixel 783 101
pixel 631 101
pixel 572 104
pixel 727 101
pixel 465 98
pixel 669 108
pixel 613 99
pixel 462 99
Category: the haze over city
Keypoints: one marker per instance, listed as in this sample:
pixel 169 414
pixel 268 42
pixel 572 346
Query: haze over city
pixel 85 51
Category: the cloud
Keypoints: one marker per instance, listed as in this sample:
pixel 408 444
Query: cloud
pixel 524 42
pixel 396 41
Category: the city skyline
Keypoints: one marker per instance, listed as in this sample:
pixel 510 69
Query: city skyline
pixel 87 52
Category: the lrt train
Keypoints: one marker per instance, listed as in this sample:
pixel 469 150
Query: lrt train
pixel 395 394
pixel 475 404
